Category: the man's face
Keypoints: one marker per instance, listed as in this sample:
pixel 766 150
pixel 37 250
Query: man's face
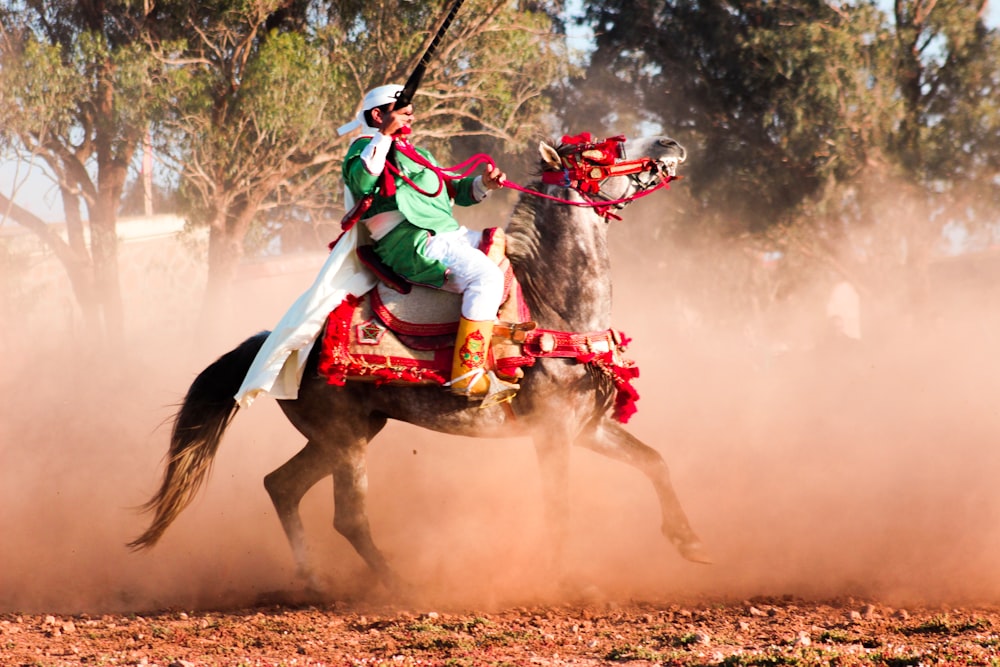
pixel 391 121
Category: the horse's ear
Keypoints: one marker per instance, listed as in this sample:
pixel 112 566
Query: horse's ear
pixel 549 156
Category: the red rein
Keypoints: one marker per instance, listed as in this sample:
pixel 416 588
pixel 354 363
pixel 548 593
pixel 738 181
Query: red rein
pixel 584 177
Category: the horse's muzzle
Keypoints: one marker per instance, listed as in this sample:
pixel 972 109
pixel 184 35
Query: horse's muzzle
pixel 667 166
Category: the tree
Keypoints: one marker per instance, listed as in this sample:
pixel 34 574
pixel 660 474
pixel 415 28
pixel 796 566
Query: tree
pixel 267 83
pixel 775 98
pixel 816 127
pixel 948 73
pixel 76 92
pixel 243 97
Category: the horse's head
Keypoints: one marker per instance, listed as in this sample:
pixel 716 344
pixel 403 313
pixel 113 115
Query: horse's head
pixel 602 172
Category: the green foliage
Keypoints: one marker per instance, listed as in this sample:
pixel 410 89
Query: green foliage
pixel 630 653
pixel 788 104
pixel 774 97
pixel 261 90
pixel 38 92
pixel 944 625
pixel 283 88
pixel 842 637
pixel 80 87
pixel 244 96
pixel 52 80
pixel 896 660
pixel 761 660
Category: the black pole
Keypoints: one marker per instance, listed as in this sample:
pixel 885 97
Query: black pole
pixel 410 88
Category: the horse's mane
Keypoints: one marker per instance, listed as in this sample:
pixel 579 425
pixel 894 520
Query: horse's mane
pixel 522 230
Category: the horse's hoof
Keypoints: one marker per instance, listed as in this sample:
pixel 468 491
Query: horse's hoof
pixel 695 552
pixel 398 588
pixel 312 583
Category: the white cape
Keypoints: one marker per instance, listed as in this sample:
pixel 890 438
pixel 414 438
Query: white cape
pixel 277 369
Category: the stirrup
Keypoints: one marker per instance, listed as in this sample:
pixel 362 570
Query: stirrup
pixel 498 392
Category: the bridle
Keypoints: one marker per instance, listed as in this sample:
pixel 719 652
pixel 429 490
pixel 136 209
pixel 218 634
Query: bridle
pixel 586 166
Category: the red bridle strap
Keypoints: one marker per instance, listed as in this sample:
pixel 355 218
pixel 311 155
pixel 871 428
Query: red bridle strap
pixel 600 206
pixel 584 178
pixel 460 170
pixel 587 177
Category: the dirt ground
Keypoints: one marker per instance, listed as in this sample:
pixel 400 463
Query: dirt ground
pixel 843 495
pixel 750 632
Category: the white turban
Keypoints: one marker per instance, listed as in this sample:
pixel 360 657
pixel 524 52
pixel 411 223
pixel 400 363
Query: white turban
pixel 375 98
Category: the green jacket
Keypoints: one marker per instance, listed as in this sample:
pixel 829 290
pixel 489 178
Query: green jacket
pixel 402 249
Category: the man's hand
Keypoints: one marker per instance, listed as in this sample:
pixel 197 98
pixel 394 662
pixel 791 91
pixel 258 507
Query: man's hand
pixel 394 120
pixel 493 178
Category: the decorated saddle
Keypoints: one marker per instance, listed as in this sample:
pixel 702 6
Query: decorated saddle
pixel 404 333
pixel 400 333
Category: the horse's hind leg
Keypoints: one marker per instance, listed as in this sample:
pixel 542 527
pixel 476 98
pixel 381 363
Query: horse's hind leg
pixel 350 492
pixel 343 456
pixel 286 486
pixel 610 439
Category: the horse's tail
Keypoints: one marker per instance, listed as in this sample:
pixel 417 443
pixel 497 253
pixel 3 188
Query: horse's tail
pixel 207 409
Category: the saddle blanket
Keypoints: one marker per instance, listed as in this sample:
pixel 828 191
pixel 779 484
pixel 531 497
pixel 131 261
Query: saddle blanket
pixel 389 337
pixel 386 336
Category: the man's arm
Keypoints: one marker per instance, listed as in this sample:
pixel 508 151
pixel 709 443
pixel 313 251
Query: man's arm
pixel 363 167
pixel 359 180
pixel 475 189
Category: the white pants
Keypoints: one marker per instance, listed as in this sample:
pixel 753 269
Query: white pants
pixel 470 272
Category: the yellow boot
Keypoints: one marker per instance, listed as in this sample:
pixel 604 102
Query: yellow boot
pixel 469 376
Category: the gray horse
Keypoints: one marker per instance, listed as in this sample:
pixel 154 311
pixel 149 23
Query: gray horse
pixel 558 248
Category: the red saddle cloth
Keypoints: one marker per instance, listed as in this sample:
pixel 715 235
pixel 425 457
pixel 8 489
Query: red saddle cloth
pixel 388 336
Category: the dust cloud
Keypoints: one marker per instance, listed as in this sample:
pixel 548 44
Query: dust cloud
pixel 809 466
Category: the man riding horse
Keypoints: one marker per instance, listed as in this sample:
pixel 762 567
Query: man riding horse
pixel 405 203
pixel 407 211
pixel 574 373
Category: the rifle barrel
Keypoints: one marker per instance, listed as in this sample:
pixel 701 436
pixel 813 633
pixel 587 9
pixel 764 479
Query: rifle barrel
pixel 412 83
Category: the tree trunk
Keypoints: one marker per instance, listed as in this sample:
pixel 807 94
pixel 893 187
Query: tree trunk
pixel 111 174
pixel 225 251
pixel 78 265
pixel 104 246
pixel 227 233
pixel 910 27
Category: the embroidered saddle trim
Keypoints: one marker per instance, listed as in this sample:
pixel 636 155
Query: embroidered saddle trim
pixel 356 345
pixel 397 338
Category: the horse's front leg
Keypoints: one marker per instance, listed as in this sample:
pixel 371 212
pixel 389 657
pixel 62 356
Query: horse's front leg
pixel 610 439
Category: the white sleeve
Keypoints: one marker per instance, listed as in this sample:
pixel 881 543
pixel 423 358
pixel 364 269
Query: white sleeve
pixel 479 191
pixel 373 155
